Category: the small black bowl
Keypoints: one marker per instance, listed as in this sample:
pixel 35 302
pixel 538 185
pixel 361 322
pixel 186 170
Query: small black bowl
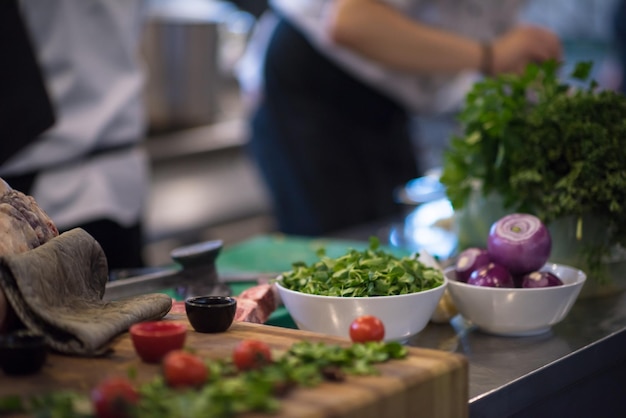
pixel 22 353
pixel 211 313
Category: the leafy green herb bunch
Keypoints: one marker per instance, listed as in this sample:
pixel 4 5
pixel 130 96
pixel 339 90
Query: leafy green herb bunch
pixel 545 146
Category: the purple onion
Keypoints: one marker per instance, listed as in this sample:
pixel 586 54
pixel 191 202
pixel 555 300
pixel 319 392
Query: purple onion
pixel 491 275
pixel 470 260
pixel 520 242
pixel 540 279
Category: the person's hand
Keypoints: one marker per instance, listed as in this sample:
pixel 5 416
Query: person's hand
pixel 514 50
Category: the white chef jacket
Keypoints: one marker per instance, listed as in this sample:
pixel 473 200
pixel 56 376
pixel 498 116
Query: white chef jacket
pixel 477 19
pixel 88 53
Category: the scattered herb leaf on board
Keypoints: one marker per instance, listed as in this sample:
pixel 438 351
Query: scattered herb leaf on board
pixel 228 392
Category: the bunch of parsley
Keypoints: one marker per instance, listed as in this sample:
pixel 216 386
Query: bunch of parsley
pixel 546 147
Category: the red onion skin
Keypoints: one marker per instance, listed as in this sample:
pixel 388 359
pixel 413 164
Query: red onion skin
pixel 491 275
pixel 519 242
pixel 469 260
pixel 538 279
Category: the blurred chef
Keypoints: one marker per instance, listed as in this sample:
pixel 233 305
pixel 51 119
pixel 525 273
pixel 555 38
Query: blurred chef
pixel 88 170
pixel 330 132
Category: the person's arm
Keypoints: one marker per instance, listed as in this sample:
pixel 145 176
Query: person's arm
pixel 381 33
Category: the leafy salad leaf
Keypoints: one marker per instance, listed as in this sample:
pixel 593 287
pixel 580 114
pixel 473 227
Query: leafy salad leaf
pixel 228 392
pixel 366 273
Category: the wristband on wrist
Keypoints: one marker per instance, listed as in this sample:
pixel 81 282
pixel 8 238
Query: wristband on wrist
pixel 486 62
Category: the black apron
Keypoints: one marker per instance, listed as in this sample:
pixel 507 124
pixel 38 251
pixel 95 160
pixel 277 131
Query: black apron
pixel 331 149
pixel 25 108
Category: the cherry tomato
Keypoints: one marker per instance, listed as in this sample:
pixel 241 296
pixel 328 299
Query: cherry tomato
pixel 182 368
pixel 367 328
pixel 114 397
pixel 251 354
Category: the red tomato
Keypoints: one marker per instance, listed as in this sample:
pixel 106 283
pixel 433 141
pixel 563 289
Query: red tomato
pixel 367 328
pixel 251 354
pixel 182 369
pixel 114 397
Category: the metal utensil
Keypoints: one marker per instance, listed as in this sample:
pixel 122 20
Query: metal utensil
pixel 194 274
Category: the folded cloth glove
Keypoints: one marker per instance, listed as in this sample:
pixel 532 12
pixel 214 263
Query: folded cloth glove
pixel 57 288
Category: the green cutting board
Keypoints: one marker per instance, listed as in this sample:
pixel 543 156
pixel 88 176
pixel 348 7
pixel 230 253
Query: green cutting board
pixel 276 253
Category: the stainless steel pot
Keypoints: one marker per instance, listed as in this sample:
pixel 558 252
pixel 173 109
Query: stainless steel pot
pixel 180 46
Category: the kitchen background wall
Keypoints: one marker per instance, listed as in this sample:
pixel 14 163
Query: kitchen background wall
pixel 203 184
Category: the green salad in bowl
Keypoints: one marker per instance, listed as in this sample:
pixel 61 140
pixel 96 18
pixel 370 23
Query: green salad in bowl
pixel 327 295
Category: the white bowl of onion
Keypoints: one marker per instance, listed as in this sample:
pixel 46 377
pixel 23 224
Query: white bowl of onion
pixel 517 311
pixel 509 288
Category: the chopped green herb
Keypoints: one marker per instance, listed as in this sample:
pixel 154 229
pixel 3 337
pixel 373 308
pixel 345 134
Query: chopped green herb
pixel 228 392
pixel 366 273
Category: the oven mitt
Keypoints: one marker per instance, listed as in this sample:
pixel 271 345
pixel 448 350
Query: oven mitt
pixel 57 288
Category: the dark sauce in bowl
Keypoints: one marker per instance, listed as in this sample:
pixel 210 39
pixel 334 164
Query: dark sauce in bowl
pixel 210 314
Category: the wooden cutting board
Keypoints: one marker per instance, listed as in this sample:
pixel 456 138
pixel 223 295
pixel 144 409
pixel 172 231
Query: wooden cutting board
pixel 429 383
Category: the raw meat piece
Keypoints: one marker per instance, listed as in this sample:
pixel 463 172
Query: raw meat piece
pixel 37 218
pixel 266 297
pixel 4 187
pixel 17 234
pixel 178 307
pixel 248 311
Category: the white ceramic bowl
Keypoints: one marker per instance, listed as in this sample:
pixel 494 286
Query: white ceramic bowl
pixel 517 312
pixel 403 316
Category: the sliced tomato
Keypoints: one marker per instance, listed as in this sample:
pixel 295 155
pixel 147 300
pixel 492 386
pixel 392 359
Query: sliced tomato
pixel 251 354
pixel 114 397
pixel 182 369
pixel 367 328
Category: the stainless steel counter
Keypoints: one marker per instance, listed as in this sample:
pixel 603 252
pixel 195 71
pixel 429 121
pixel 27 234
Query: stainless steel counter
pixel 577 369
